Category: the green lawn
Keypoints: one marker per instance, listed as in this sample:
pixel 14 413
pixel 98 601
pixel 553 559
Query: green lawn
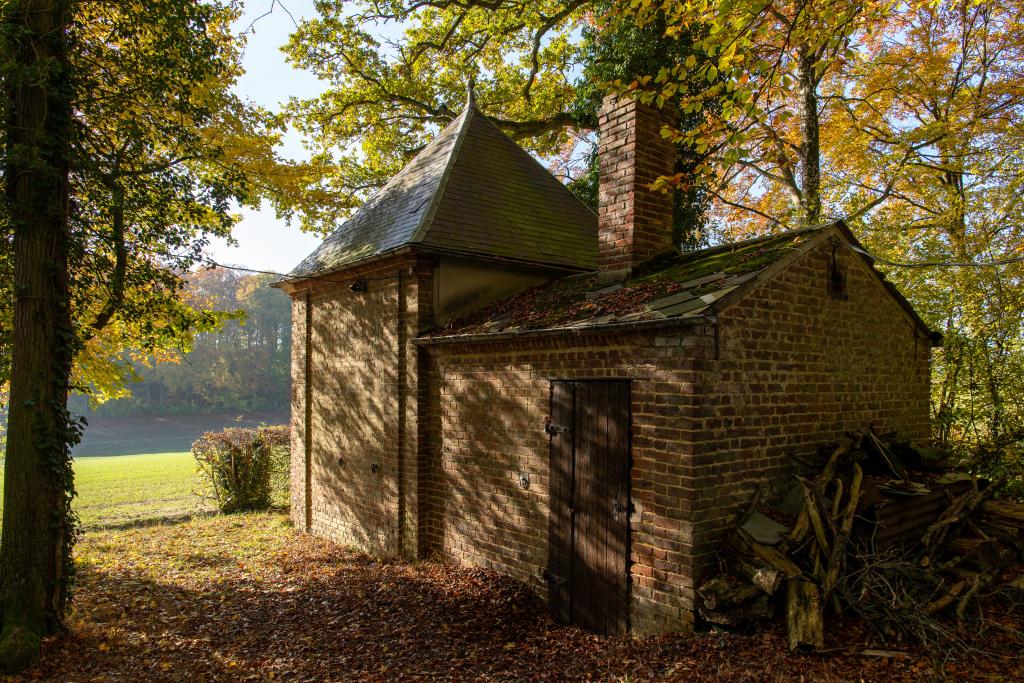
pixel 126 489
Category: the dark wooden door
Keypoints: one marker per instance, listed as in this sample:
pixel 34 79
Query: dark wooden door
pixel 588 532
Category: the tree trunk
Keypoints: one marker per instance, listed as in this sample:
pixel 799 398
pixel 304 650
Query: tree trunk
pixel 804 615
pixel 810 147
pixel 37 527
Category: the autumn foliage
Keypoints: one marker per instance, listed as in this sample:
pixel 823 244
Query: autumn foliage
pixel 242 469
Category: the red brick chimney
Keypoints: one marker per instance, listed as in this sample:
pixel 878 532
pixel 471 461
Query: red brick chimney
pixel 634 222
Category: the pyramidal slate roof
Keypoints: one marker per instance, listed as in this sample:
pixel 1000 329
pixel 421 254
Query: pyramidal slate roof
pixel 470 191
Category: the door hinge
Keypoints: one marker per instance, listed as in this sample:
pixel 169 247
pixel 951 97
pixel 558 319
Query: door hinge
pixel 555 579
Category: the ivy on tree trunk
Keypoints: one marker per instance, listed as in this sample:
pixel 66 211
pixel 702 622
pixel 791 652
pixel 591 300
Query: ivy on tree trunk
pixel 38 525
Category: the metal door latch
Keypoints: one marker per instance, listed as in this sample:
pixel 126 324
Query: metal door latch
pixel 553 429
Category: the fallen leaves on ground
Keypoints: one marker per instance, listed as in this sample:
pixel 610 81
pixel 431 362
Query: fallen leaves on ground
pixel 246 598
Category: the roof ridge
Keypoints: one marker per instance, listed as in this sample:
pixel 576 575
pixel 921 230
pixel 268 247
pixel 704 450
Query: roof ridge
pixel 760 238
pixel 339 233
pixel 396 178
pixel 469 190
pixel 435 201
pixel 714 249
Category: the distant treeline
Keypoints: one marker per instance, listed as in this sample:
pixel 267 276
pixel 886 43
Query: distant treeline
pixel 242 367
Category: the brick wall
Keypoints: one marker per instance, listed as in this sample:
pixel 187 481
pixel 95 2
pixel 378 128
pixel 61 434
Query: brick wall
pixel 362 412
pixel 716 412
pixel 799 368
pixel 634 222
pixel 718 409
pixel 486 405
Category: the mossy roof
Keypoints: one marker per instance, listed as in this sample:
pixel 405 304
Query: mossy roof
pixel 681 286
pixel 470 191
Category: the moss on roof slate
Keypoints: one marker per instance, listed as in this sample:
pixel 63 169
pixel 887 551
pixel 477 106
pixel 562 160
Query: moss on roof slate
pixel 684 285
pixel 472 191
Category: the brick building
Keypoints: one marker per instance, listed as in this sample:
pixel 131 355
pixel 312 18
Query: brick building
pixel 485 371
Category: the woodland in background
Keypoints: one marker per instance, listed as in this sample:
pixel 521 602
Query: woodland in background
pixel 124 150
pixel 242 367
pixel 904 119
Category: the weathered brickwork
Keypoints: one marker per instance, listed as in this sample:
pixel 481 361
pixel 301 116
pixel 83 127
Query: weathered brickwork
pixel 797 369
pixel 719 406
pixel 417 447
pixel 362 411
pixel 419 315
pixel 486 408
pixel 716 413
pixel 635 223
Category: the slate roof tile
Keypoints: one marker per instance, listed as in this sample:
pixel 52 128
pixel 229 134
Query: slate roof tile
pixel 471 190
pixel 685 285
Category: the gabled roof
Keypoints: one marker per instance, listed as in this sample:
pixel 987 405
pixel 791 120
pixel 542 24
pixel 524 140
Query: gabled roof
pixel 681 286
pixel 470 191
pixel 690 285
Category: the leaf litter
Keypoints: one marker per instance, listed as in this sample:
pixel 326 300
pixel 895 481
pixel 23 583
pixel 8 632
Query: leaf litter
pixel 247 598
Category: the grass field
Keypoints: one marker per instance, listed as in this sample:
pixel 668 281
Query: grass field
pixel 130 489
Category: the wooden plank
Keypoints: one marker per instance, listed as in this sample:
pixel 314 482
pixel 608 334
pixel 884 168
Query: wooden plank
pixel 560 547
pixel 609 471
pixel 583 560
pixel 804 615
pixel 603 485
pixel 620 493
pixel 606 585
pixel 591 498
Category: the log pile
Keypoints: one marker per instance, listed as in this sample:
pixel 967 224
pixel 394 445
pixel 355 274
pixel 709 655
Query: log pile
pixel 879 529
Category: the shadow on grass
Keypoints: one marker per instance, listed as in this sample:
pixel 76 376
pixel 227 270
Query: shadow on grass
pixel 142 522
pixel 166 519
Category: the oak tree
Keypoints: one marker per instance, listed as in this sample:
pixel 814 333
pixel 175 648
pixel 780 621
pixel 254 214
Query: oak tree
pixel 35 560
pixel 397 72
pixel 124 151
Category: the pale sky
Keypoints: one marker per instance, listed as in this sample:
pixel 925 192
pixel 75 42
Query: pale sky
pixel 265 242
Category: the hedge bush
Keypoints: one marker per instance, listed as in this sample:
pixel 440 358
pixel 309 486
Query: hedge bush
pixel 244 469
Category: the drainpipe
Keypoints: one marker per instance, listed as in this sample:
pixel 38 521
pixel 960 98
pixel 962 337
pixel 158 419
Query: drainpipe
pixel 401 393
pixel 307 436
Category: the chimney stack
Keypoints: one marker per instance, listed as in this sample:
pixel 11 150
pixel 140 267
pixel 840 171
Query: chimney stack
pixel 634 222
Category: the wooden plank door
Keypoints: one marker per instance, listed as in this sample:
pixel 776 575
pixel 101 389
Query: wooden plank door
pixel 588 532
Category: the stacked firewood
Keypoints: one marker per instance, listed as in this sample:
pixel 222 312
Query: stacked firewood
pixel 880 530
